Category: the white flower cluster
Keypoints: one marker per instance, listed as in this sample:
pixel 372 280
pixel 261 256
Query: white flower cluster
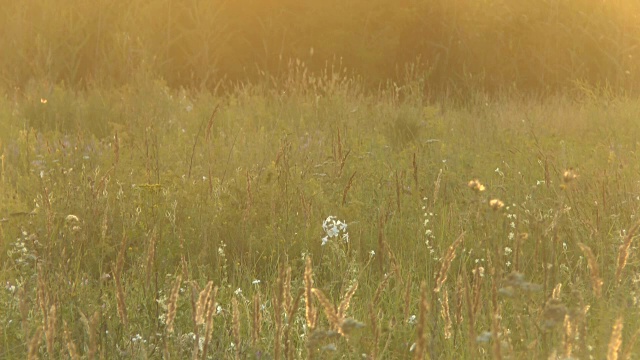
pixel 334 228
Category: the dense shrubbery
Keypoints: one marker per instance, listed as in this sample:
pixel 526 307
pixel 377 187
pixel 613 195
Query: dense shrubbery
pixel 463 45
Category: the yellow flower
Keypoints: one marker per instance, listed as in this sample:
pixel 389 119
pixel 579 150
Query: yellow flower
pixel 476 186
pixel 496 204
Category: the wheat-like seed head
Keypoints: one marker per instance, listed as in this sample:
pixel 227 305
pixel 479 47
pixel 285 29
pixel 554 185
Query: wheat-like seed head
pixel 203 301
pixel 446 262
pixel 616 340
pixel 445 313
pixel 596 281
pixel 380 289
pixel 623 251
pixel 308 286
pixel 344 305
pixel 436 187
pixel 557 290
pixel 172 305
pixel 211 305
pixel 329 310
pixel 567 339
pixel 34 343
pixel 71 346
pixel 50 328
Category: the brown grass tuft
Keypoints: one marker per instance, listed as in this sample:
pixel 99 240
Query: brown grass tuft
pixel 616 340
pixel 596 281
pixel 172 305
pixel 446 262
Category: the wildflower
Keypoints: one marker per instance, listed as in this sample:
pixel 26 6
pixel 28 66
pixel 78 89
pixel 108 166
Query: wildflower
pixel 496 204
pixel 476 186
pixel 334 228
pixel 238 291
pixel 256 282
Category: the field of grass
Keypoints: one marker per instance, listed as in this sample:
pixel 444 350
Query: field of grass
pixel 315 220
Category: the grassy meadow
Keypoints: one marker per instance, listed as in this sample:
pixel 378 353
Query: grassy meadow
pixel 314 219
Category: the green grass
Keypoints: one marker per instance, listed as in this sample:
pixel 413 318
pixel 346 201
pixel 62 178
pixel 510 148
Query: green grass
pixel 162 189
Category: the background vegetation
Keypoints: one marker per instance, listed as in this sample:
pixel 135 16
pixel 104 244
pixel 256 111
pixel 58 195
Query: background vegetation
pixel 462 45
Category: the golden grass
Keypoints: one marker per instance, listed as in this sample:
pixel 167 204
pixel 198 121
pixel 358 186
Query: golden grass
pixel 446 263
pixel 596 280
pixel 623 251
pixel 172 305
pixel 615 342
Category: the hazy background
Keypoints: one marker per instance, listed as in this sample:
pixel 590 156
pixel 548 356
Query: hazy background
pixel 458 45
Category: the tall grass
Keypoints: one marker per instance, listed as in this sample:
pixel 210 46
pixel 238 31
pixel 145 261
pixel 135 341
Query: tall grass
pixel 160 230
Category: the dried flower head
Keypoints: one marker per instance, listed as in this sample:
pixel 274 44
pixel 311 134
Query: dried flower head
pixel 496 204
pixel 476 186
pixel 569 175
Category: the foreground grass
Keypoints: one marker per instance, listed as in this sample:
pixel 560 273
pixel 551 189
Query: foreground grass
pixel 147 223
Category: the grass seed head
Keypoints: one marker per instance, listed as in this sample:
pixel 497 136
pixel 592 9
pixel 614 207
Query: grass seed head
pixel 615 341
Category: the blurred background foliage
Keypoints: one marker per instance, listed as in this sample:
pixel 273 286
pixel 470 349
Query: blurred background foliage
pixel 540 46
